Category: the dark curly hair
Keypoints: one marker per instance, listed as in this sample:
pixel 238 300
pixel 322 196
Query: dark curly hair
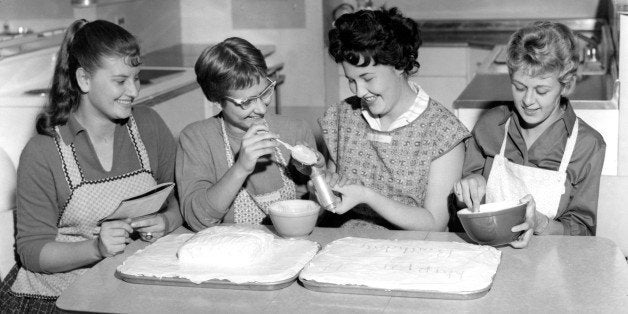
pixel 384 36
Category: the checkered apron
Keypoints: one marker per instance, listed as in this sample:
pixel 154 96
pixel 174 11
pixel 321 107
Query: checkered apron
pixel 252 208
pixel 89 203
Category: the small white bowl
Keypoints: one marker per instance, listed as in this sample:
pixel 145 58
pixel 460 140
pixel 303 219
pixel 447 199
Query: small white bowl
pixel 294 218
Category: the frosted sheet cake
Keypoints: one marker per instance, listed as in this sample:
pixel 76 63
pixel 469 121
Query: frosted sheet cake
pixel 248 256
pixel 404 265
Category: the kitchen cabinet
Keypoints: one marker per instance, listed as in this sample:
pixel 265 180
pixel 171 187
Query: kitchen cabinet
pixel 179 111
pixel 444 73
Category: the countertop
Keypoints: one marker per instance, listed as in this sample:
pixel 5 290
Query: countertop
pixel 490 90
pixel 491 85
pixel 485 33
pixel 555 274
pixel 181 56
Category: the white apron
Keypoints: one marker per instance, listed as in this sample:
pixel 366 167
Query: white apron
pixel 511 182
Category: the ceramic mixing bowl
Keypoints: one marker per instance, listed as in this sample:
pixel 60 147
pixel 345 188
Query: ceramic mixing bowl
pixel 294 218
pixel 492 224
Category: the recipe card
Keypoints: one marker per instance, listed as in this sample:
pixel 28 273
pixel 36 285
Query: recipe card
pixel 145 203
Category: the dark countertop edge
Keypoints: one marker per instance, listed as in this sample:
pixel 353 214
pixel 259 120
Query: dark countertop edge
pixel 167 95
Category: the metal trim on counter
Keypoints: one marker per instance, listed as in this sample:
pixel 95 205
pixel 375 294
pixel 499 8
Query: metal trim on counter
pixel 162 97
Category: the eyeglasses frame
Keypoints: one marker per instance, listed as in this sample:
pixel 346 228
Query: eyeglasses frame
pixel 249 101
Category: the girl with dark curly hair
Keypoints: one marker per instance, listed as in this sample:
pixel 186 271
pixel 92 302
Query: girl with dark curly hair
pixel 395 151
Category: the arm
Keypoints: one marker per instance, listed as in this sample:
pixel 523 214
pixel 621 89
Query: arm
pixel 37 213
pixel 169 217
pixel 580 216
pixel 444 172
pixel 470 190
pixel 205 202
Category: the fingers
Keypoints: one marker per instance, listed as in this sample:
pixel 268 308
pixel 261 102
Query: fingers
pixel 470 191
pixel 113 237
pixel 153 223
pixel 117 224
pixel 523 240
pixel 256 128
pixel 332 178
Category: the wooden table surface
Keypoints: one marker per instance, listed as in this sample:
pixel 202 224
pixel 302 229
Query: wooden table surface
pixel 554 274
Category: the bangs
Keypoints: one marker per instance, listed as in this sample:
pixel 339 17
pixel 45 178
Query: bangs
pixel 242 76
pixel 353 57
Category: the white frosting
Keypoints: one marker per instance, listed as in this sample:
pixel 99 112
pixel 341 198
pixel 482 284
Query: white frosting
pixel 304 155
pixel 492 207
pixel 410 265
pixel 283 261
pixel 231 246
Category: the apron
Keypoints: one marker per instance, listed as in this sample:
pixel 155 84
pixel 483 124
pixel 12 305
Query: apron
pixel 88 204
pixel 511 182
pixel 250 208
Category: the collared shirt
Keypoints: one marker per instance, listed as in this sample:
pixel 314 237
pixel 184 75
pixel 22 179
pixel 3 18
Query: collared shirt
pixel 42 189
pixel 420 103
pixel 578 205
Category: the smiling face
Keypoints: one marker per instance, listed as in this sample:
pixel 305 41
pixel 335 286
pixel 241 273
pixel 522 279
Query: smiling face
pixel 110 90
pixel 379 87
pixel 239 119
pixel 537 98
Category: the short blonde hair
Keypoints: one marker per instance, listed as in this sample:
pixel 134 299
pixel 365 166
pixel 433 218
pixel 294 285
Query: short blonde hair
pixel 544 47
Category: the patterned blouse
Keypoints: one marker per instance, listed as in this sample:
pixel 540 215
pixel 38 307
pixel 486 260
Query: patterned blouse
pixel 394 163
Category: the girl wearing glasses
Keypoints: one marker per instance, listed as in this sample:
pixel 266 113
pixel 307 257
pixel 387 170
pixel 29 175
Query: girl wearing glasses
pixel 229 167
pixel 402 148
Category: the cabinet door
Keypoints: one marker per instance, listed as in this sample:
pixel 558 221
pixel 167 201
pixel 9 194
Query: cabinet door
pixel 182 110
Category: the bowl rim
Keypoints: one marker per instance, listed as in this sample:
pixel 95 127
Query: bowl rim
pixel 311 211
pixel 500 212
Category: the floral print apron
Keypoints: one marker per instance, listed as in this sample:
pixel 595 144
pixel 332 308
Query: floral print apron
pixel 510 182
pixel 252 209
pixel 89 203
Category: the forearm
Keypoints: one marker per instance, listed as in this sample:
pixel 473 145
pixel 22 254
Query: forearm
pixel 208 203
pixel 58 257
pixel 549 226
pixel 172 215
pixel 402 215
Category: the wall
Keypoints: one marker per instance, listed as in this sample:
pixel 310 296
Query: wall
pixel 156 23
pixel 496 9
pixel 37 15
pixel 301 49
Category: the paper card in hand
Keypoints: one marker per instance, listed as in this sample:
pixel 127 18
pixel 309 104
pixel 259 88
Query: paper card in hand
pixel 146 203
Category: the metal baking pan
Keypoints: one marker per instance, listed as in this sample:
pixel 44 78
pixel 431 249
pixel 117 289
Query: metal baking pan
pixel 356 289
pixel 215 284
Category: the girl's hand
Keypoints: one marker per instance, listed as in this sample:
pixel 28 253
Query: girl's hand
pixel 150 228
pixel 257 142
pixel 320 159
pixel 113 237
pixel 352 194
pixel 470 191
pixel 530 225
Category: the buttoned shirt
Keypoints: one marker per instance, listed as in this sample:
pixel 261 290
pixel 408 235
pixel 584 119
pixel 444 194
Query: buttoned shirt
pixel 578 205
